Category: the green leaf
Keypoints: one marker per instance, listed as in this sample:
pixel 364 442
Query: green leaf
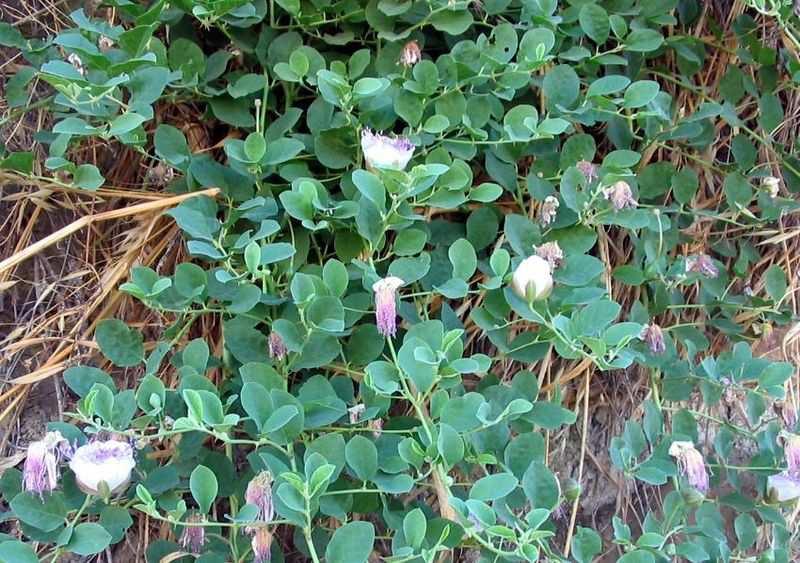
pixel 280 418
pixel 643 40
pixel 453 22
pixel 550 415
pixel 684 185
pixel 738 190
pixel 368 87
pixel 281 150
pixel 540 486
pixel 125 123
pixel 352 543
pixel 362 457
pixel 276 252
pixel 18 161
pixel 44 514
pixel 371 188
pixel 594 22
pixel 119 343
pixel 579 270
pixel 462 256
pixel 17 552
pixel 335 276
pixel 638 556
pixel 493 487
pixel 10 36
pixel 746 531
pixel 775 282
pixel 608 85
pixel 88 177
pixel 204 487
pixel 414 527
pixel 450 445
pixel 88 539
pixel 640 93
pixel 80 379
pixel 171 145
pixel 255 147
pixel 586 544
pixel 561 86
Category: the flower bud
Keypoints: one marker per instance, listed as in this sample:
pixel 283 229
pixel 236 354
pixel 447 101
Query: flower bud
pixel 277 349
pixel 589 170
pixel 356 412
pixel 533 279
pixel 382 152
pixel 692 496
pixel 702 264
pixel 109 461
pixel 654 337
pixel 620 196
pixel 376 425
pixel 77 63
pixel 572 489
pixel 105 44
pixel 551 252
pixel 411 54
pixel 548 211
pixel 772 185
pixel 385 307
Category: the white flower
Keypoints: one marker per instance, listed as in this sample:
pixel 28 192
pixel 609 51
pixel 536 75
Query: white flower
pixel 783 487
pixel 533 278
pixel 380 151
pixel 110 461
pixel 772 185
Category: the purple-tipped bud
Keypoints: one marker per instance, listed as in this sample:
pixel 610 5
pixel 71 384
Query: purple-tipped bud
pixel 277 349
pixel 259 494
pixel 548 211
pixel 261 543
pixel 551 252
pixel 193 537
pixel 620 196
pixel 589 170
pixel 40 472
pixel 356 412
pixel 690 464
pixel 702 264
pixel 380 151
pixel 411 54
pixel 654 337
pixel 385 306
pixel 791 451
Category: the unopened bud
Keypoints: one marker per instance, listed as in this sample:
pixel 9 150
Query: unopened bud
pixel 533 278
